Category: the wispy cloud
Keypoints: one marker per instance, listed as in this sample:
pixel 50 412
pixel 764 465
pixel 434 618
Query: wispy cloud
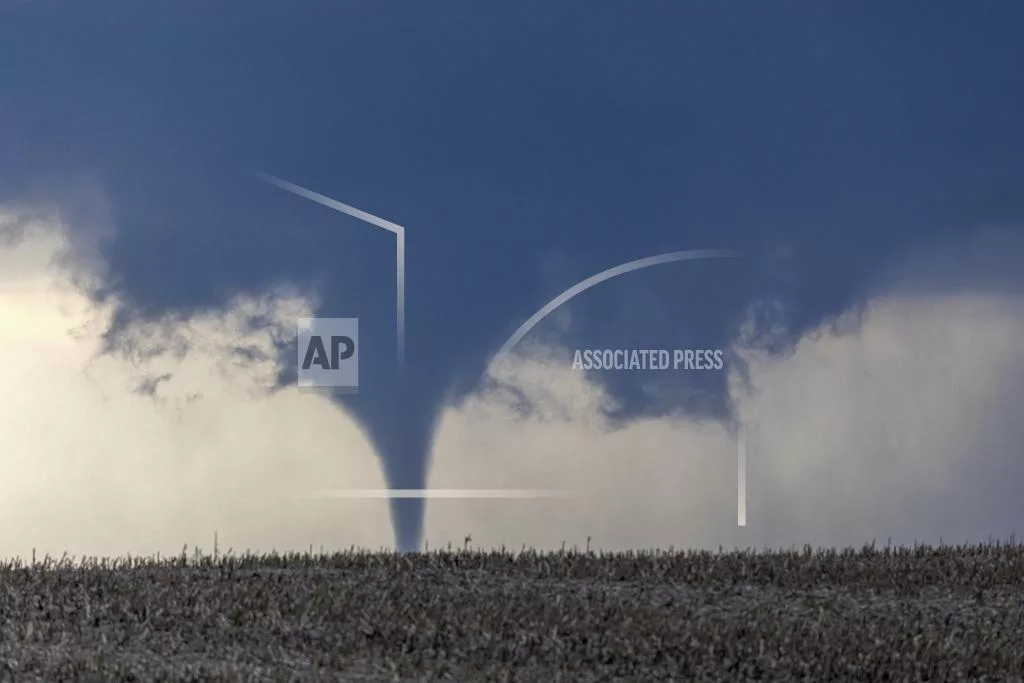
pixel 898 420
pixel 93 465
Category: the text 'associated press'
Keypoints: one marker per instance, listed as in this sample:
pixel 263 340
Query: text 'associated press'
pixel 648 359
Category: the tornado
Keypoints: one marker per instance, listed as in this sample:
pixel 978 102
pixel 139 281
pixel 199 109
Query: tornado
pixel 398 417
pixel 401 427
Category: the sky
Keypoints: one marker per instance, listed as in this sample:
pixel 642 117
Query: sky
pixel 866 162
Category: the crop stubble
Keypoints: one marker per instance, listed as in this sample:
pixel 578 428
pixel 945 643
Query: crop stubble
pixel 947 613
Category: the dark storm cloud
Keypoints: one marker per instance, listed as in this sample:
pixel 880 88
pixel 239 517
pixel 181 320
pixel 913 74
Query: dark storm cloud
pixel 503 140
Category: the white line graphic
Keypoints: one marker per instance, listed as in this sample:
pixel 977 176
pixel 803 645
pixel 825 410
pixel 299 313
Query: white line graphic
pixel 398 230
pixel 450 494
pixel 622 269
pixel 741 476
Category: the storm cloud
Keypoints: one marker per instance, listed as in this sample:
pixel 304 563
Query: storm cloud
pixel 523 149
pixel 894 420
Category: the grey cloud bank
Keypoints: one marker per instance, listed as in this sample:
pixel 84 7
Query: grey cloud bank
pixel 507 145
pixel 898 420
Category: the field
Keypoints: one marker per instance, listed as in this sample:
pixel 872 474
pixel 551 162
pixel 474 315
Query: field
pixel 947 613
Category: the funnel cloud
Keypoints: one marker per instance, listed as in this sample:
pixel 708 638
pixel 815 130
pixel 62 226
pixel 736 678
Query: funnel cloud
pixel 893 421
pixel 868 175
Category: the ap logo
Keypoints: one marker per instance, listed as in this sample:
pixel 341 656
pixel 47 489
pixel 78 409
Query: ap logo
pixel 328 352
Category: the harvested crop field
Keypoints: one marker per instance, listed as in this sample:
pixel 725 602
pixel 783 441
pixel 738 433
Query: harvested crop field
pixel 898 614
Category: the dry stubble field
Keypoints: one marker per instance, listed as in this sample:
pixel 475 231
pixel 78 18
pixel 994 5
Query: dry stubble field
pixel 896 614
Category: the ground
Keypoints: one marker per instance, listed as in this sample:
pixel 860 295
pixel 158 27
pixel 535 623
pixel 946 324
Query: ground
pixel 899 614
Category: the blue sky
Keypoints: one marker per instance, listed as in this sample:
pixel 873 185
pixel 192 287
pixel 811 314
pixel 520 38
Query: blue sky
pixel 524 148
